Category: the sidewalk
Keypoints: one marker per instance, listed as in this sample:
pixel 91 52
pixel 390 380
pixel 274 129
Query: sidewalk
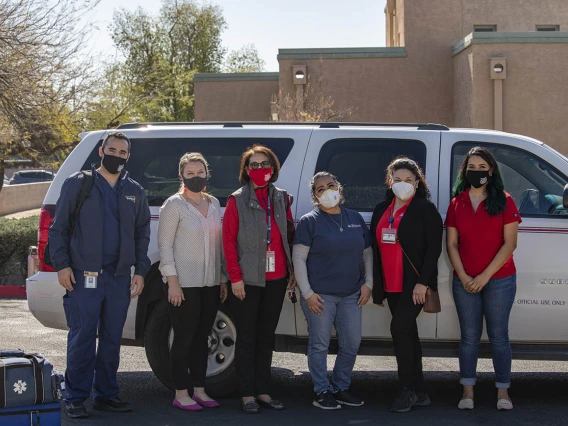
pixel 21 215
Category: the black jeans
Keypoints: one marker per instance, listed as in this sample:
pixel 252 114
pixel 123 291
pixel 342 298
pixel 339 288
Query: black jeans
pixel 406 342
pixel 256 320
pixel 192 321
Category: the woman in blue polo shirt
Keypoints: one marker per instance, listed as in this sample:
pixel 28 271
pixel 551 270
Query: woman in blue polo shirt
pixel 482 225
pixel 333 264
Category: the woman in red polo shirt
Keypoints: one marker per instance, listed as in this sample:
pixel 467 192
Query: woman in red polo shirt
pixel 407 242
pixel 482 224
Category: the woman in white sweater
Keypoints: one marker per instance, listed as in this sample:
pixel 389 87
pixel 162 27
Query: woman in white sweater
pixel 189 239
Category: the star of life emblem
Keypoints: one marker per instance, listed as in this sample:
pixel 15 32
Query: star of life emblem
pixel 20 387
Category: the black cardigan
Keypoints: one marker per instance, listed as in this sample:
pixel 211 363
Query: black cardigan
pixel 420 235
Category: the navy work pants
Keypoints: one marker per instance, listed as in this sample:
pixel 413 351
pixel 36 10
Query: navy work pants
pixel 90 311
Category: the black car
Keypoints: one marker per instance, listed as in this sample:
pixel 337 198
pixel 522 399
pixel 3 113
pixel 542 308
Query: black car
pixel 31 176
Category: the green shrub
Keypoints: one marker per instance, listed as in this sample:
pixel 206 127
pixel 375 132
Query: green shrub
pixel 16 235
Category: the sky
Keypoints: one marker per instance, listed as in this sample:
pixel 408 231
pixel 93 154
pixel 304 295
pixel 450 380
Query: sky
pixel 271 25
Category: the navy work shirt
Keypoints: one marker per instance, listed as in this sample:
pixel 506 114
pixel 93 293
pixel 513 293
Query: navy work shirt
pixel 111 222
pixel 335 260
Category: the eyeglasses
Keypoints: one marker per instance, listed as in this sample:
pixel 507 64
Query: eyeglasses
pixel 265 165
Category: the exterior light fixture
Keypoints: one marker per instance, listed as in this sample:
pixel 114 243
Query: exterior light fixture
pixel 498 68
pixel 300 74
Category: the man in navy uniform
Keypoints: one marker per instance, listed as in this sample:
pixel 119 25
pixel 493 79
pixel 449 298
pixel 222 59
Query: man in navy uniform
pixel 93 259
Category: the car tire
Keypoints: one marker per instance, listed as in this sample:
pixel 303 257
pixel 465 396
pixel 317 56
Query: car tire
pixel 221 374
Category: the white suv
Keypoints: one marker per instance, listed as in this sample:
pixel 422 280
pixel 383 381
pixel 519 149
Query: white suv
pixel 535 175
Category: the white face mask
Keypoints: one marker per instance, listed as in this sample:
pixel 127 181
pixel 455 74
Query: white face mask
pixel 403 190
pixel 329 199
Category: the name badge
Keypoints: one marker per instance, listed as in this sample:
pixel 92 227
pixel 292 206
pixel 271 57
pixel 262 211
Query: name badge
pixel 91 279
pixel 270 261
pixel 389 236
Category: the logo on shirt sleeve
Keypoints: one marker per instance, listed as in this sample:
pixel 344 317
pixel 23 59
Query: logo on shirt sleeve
pixel 130 198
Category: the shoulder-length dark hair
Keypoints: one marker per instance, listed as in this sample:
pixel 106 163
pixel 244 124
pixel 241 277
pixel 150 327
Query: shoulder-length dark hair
pixel 496 198
pixel 258 149
pixel 405 163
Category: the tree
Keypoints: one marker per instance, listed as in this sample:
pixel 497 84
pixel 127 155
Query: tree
pixel 163 53
pixel 43 80
pixel 310 105
pixel 246 59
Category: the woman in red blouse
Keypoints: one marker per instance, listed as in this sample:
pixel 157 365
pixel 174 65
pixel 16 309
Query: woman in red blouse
pixel 482 225
pixel 407 232
pixel 259 265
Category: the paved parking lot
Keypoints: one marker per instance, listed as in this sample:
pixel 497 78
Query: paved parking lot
pixel 539 388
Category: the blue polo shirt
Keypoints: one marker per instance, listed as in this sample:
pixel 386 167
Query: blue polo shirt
pixel 111 221
pixel 335 260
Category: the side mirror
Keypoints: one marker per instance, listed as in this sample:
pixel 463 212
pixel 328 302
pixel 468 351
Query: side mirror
pixel 565 197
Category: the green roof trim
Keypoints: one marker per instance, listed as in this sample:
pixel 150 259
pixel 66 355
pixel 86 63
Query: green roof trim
pixel 237 76
pixel 502 38
pixel 342 53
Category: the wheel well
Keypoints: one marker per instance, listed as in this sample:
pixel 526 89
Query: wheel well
pixel 153 292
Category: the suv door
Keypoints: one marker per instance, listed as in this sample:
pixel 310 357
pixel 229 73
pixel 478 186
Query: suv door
pixel 535 177
pixel 358 156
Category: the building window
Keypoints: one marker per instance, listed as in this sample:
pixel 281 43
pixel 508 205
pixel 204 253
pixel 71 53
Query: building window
pixel 548 27
pixel 485 28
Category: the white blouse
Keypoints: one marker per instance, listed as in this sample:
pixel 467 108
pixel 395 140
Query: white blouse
pixel 190 243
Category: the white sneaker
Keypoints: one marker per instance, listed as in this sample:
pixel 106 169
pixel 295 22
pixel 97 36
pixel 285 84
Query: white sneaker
pixel 466 404
pixel 505 404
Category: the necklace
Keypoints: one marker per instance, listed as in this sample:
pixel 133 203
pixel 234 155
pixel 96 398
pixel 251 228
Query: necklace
pixel 334 221
pixel 193 202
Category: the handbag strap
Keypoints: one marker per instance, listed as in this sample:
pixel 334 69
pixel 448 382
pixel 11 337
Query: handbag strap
pixel 37 362
pixel 408 258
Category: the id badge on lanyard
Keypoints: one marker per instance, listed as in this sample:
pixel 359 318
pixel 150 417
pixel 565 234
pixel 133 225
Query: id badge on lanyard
pixel 270 255
pixel 91 279
pixel 389 234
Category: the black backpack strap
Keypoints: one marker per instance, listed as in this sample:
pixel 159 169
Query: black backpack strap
pixel 37 362
pixel 2 384
pixel 88 182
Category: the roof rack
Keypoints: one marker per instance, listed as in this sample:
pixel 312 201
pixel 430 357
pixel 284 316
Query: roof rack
pixel 328 125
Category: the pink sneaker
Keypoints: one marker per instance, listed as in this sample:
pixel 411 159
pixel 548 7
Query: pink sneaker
pixel 208 404
pixel 192 407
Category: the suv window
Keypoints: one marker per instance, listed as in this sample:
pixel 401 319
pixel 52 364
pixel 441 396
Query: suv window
pixel 154 163
pixel 535 185
pixel 360 165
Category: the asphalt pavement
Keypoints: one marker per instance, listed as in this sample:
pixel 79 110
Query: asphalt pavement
pixel 539 391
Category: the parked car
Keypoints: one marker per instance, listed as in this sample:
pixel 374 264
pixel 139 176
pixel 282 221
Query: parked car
pixel 535 175
pixel 31 176
pixel 6 181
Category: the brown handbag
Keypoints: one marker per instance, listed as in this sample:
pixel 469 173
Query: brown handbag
pixel 432 303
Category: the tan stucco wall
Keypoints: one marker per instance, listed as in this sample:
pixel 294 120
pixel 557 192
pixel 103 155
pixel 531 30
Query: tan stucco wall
pixel 512 15
pixel 17 198
pixel 535 92
pixel 234 100
pixel 463 90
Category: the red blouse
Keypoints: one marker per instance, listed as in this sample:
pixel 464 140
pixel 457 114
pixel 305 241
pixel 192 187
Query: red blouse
pixel 231 231
pixel 391 254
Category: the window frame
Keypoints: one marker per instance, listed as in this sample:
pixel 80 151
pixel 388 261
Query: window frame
pixel 547 28
pixel 485 28
pixel 489 145
pixel 422 162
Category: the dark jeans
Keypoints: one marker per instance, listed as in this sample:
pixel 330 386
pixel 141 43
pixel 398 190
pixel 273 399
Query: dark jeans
pixel 406 342
pixel 192 322
pixel 256 318
pixel 495 302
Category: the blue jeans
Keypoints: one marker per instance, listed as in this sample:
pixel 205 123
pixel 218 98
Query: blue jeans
pixel 494 302
pixel 345 314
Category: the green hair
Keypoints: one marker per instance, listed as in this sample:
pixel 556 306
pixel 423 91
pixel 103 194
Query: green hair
pixel 496 198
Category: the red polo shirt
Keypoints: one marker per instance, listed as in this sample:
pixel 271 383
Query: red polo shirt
pixel 480 235
pixel 391 254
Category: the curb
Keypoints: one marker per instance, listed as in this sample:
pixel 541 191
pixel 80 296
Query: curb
pixel 13 291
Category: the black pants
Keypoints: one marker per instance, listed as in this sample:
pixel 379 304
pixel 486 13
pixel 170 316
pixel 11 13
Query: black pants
pixel 192 321
pixel 406 342
pixel 256 319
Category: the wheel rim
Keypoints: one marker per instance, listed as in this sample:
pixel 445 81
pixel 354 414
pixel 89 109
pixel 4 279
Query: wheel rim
pixel 220 342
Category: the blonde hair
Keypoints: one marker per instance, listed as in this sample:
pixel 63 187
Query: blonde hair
pixel 193 157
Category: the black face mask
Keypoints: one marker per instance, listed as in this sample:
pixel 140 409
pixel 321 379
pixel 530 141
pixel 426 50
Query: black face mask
pixel 477 178
pixel 195 184
pixel 113 164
